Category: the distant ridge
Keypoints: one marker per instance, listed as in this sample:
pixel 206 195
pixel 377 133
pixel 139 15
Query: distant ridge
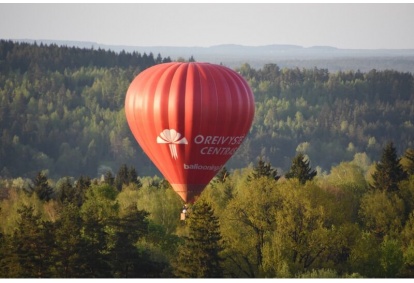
pixel 284 55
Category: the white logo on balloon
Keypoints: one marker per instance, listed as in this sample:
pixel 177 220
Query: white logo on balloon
pixel 171 137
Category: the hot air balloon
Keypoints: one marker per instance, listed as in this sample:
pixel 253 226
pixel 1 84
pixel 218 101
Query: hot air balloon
pixel 189 118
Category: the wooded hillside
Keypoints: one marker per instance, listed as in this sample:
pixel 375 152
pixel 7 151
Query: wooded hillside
pixel 62 111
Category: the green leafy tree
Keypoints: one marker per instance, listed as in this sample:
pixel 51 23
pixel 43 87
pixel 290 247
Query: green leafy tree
pixel 100 203
pixel 365 257
pixel 377 259
pixel 8 263
pixel 248 219
pixel 199 256
pixel 391 257
pixel 302 234
pixel 388 172
pixel 301 169
pixel 348 179
pixel 163 204
pixel 382 213
pixel 407 240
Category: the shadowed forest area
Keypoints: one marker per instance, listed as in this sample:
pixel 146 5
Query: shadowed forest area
pixel 322 187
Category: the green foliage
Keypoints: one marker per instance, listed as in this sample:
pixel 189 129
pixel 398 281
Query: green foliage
pixel 69 253
pixel 31 244
pixel 65 191
pixel 391 257
pixel 377 259
pixel 163 204
pixel 126 176
pixel 388 172
pixel 247 220
pixel 302 234
pixel 41 187
pixel 407 240
pixel 126 260
pixel 10 207
pixel 347 182
pixel 67 113
pixel 199 256
pixel 408 257
pixel 382 213
pixel 222 175
pixel 61 112
pixel 407 161
pixel 349 177
pixel 330 227
pixel 263 169
pixel 319 273
pixel 301 169
pixel 100 203
pixel 365 257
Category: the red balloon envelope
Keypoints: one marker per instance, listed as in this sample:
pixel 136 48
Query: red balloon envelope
pixel 189 118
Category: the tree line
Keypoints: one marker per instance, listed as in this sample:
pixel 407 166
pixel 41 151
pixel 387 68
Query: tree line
pixel 248 223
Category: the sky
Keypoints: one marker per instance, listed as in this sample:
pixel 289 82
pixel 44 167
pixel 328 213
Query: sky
pixel 350 26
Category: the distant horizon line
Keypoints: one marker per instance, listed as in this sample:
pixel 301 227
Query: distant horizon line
pixel 287 45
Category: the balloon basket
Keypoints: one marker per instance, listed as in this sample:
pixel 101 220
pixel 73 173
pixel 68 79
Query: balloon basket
pixel 184 211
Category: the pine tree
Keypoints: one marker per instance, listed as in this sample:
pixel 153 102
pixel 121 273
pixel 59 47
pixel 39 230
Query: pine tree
pixel 109 178
pixel 300 169
pixel 121 177
pixel 6 257
pixel 222 176
pixel 70 249
pixel 66 192
pixel 41 187
pixel 126 176
pixel 133 177
pixel 127 261
pixel 388 172
pixel 263 169
pixel 81 185
pixel 32 244
pixel 97 254
pixel 199 256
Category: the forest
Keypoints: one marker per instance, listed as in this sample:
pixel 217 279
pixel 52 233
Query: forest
pixel 322 187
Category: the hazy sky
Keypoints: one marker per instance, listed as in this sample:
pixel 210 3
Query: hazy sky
pixel 371 26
